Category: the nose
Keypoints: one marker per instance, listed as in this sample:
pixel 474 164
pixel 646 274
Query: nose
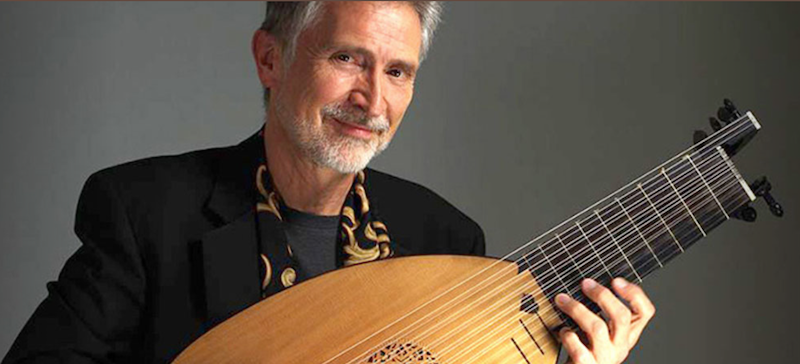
pixel 368 94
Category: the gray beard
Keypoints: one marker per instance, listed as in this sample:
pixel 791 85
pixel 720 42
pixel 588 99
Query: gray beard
pixel 341 153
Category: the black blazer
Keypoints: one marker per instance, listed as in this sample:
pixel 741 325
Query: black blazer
pixel 168 247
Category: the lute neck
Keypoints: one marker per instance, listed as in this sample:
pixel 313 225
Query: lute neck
pixel 644 225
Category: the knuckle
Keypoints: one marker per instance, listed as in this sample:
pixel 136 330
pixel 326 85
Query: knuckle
pixel 649 310
pixel 635 293
pixel 598 327
pixel 564 334
pixel 623 314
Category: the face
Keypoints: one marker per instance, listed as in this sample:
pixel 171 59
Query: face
pixel 342 98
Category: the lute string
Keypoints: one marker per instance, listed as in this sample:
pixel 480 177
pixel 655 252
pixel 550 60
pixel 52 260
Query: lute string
pixel 543 280
pixel 731 183
pixel 535 334
pixel 546 331
pixel 568 290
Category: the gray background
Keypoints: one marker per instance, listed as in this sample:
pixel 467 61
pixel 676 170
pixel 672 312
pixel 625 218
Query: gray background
pixel 524 113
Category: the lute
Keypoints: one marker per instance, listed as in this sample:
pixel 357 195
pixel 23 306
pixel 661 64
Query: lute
pixel 461 309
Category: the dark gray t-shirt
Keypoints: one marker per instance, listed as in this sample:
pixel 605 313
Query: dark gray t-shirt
pixel 313 240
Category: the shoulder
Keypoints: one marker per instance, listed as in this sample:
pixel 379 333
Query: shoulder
pixel 157 178
pixel 426 222
pixel 158 195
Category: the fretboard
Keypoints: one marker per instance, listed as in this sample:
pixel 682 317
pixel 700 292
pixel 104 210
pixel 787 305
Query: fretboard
pixel 646 224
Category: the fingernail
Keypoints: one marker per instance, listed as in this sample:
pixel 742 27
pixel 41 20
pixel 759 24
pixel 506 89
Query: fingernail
pixel 620 282
pixel 589 284
pixel 562 299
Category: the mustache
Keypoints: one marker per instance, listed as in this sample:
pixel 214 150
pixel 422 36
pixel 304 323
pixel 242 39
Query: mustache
pixel 355 116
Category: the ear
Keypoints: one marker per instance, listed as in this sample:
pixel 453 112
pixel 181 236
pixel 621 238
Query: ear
pixel 267 55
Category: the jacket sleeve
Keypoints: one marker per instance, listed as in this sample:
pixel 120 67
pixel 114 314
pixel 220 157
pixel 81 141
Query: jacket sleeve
pixel 92 312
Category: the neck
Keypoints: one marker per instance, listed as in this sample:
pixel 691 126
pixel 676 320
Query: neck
pixel 302 184
pixel 644 225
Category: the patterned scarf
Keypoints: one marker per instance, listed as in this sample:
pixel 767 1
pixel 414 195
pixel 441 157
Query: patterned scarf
pixel 362 237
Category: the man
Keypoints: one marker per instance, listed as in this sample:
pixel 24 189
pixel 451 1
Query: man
pixel 174 245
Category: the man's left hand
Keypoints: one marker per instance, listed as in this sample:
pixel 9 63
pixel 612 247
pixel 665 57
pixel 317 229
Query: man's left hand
pixel 609 342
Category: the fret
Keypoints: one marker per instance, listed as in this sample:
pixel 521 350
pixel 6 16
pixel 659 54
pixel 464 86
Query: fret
pixel 604 245
pixel 738 176
pixel 541 266
pixel 692 188
pixel 720 178
pixel 730 194
pixel 689 158
pixel 659 242
pixel 572 240
pixel 660 217
pixel 578 273
pixel 633 269
pixel 639 232
pixel 612 257
pixel 729 187
pixel 555 271
pixel 578 247
pixel 663 172
pixel 652 229
pixel 671 208
pixel 562 262
pixel 534 263
pixel 577 223
pixel 623 233
pixel 524 264
pixel 551 268
pixel 558 237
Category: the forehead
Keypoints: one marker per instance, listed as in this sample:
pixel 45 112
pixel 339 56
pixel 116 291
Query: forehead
pixel 386 28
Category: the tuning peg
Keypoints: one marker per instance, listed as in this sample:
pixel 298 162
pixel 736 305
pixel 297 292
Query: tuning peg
pixel 725 115
pixel 698 136
pixel 714 123
pixel 732 108
pixel 745 213
pixel 728 113
pixel 761 187
pixel 774 206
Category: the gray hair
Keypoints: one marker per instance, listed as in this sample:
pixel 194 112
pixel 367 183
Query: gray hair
pixel 286 20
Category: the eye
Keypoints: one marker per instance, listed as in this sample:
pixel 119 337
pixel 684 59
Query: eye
pixel 343 57
pixel 395 73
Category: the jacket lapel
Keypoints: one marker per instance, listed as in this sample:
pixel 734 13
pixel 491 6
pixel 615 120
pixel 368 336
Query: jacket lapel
pixel 230 252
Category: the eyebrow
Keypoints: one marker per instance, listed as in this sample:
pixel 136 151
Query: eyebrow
pixel 408 66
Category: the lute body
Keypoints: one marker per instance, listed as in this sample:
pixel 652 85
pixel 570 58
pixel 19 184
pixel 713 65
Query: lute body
pixel 393 311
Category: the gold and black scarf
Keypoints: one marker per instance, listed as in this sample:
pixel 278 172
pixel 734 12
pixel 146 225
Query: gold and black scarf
pixel 362 237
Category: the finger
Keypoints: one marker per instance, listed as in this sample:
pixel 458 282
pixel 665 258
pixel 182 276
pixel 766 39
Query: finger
pixel 578 352
pixel 591 324
pixel 642 307
pixel 618 314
